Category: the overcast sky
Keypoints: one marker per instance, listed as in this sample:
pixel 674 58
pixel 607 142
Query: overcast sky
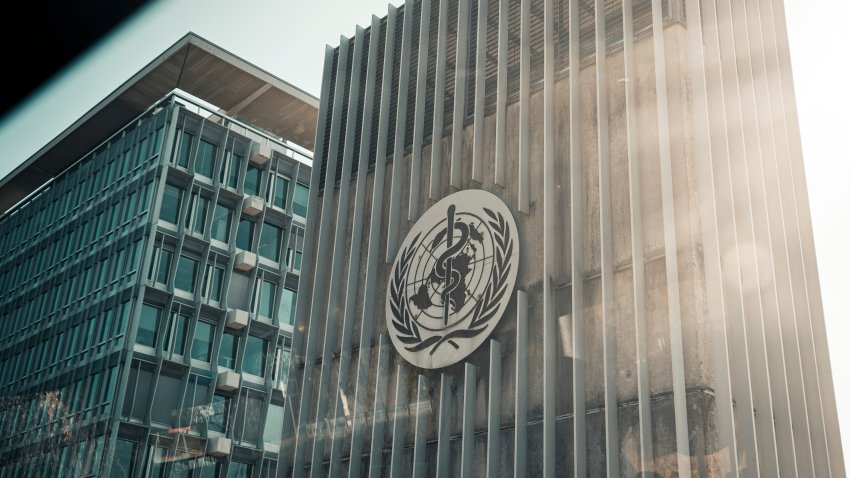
pixel 288 37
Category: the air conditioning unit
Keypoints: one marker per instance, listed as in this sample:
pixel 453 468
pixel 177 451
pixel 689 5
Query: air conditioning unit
pixel 245 261
pixel 252 205
pixel 260 153
pixel 227 381
pixel 219 446
pixel 236 318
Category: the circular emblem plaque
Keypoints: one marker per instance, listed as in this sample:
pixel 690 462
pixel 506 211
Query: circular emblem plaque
pixel 452 279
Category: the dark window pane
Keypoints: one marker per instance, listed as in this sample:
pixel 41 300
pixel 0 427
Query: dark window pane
pixel 299 200
pixel 184 150
pixel 239 470
pixel 218 279
pixel 170 204
pixel 202 344
pixel 286 313
pixel 201 214
pixel 220 410
pixel 123 460
pixel 244 234
pixel 148 325
pixel 255 356
pixel 167 400
pixel 221 223
pixel 281 188
pixel 187 271
pixel 227 351
pixel 270 240
pixel 164 266
pixel 252 181
pixel 233 176
pixel 267 291
pixel 176 336
pixel 205 158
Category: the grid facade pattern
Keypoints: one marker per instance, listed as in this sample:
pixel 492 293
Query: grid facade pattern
pixel 148 303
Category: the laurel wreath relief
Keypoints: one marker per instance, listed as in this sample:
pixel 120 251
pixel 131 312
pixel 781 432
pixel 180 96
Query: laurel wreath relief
pixel 485 309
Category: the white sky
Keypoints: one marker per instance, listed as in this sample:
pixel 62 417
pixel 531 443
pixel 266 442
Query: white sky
pixel 287 38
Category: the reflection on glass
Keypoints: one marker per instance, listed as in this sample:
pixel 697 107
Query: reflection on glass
pixel 244 234
pixel 227 351
pixel 221 223
pixel 184 150
pixel 281 189
pixel 220 409
pixel 205 158
pixel 274 425
pixel 270 239
pixel 203 341
pixel 267 291
pixel 286 313
pixel 176 334
pixel 170 208
pixel 239 470
pixel 252 181
pixel 148 325
pixel 187 270
pixel 123 460
pixel 299 200
pixel 164 266
pixel 255 356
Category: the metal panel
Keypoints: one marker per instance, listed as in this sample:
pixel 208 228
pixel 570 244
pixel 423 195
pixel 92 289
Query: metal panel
pixel 461 74
pixel 398 146
pixel 524 105
pixel 319 278
pixel 439 102
pixel 521 387
pixel 502 91
pixel 670 250
pixel 338 260
pixel 380 413
pixel 339 415
pixel 467 440
pixel 550 336
pixel 419 111
pixel 576 234
pixel 480 77
pixel 422 409
pixel 638 272
pixel 444 427
pixel 370 290
pixel 493 408
pixel 400 411
pixel 609 341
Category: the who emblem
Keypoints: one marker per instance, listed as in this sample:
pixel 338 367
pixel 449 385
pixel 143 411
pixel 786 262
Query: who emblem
pixel 452 279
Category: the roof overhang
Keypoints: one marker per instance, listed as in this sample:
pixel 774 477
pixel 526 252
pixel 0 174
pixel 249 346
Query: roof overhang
pixel 196 66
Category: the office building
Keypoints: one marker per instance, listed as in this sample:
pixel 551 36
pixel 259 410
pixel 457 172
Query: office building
pixel 149 270
pixel 560 238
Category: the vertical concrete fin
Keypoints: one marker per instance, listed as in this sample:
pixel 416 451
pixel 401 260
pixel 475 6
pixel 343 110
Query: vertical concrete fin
pixel 480 77
pixel 461 77
pixel 380 413
pixel 521 389
pixel 439 103
pixel 524 104
pixel 444 426
pixel 423 415
pixel 550 337
pixel 419 111
pixel 467 440
pixel 502 91
pixel 400 410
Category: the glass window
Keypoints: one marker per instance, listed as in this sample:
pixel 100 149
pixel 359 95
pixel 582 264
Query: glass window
pixel 167 399
pixel 203 205
pixel 123 460
pixel 255 356
pixel 148 325
pixel 244 234
pixel 252 180
pixel 157 461
pixel 176 336
pixel 281 189
pixel 212 283
pixel 170 208
pixel 203 342
pixel 267 292
pixel 299 200
pixel 286 313
pixel 187 271
pixel 274 425
pixel 162 271
pixel 221 223
pixel 184 150
pixel 233 173
pixel 205 159
pixel 239 470
pixel 227 351
pixel 283 366
pixel 270 240
pixel 220 409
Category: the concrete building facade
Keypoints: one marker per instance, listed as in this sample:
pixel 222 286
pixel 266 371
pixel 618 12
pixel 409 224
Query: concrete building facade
pixel 149 262
pixel 666 319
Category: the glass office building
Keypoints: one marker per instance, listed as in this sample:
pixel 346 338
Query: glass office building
pixel 148 289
